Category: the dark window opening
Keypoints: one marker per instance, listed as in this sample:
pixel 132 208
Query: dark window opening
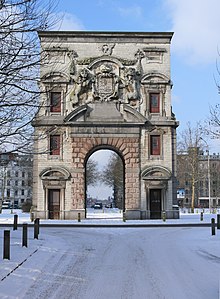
pixel 155 145
pixel 154 102
pixel 55 102
pixel 54 144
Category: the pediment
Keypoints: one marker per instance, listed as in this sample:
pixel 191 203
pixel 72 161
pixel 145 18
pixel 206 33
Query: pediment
pixel 78 114
pixel 156 130
pixel 156 173
pixel 55 173
pixel 132 115
pixel 56 77
pixel 155 78
pixel 105 112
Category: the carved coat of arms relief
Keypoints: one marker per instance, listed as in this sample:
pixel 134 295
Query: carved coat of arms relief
pixel 106 81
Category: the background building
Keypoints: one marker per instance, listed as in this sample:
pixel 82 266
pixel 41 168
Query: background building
pixel 206 177
pixel 16 176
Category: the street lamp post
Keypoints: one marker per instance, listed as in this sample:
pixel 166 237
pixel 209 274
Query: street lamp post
pixel 3 164
pixel 209 175
pixel 209 180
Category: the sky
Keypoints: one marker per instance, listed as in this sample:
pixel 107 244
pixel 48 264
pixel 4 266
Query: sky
pixel 194 46
pixel 73 262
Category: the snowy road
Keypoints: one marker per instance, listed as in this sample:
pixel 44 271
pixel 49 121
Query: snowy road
pixel 119 263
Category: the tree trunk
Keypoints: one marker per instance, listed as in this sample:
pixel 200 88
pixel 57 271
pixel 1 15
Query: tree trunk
pixel 193 196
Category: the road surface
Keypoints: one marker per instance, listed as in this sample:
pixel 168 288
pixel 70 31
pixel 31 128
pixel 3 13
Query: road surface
pixel 119 263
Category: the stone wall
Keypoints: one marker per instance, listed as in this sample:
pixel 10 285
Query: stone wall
pixel 106 81
pixel 129 150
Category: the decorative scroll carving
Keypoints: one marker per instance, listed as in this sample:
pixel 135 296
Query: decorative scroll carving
pixel 107 49
pixel 127 62
pixel 89 60
pixel 139 55
pixel 85 61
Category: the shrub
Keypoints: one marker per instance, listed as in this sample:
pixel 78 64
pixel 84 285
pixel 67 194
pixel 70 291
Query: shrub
pixel 26 206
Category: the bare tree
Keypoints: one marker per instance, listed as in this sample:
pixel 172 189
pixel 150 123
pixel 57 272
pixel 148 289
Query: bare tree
pixel 212 127
pixel 212 124
pixel 19 61
pixel 113 176
pixel 190 143
pixel 92 172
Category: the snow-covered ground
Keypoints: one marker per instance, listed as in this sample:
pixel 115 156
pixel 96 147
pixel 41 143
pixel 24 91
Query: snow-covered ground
pixel 107 263
pixel 114 216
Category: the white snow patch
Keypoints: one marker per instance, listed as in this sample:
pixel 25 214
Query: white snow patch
pixel 131 263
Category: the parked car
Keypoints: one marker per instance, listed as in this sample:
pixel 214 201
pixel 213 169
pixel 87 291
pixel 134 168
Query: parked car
pixel 6 205
pixel 97 205
pixel 14 206
pixel 109 205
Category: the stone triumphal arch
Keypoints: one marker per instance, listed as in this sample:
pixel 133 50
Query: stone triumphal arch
pixel 109 90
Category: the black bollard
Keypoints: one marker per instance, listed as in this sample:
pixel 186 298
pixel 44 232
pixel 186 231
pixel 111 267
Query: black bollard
pixel 79 217
pixel 6 250
pixel 201 216
pixel 38 225
pixel 124 217
pixel 218 221
pixel 36 228
pixel 32 216
pixel 213 226
pixel 24 235
pixel 164 216
pixel 15 225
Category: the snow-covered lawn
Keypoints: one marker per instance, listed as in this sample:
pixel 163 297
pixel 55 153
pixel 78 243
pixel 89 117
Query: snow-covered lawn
pixel 111 216
pixel 107 263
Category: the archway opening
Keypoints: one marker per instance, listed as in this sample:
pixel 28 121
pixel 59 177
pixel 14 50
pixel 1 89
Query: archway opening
pixel 104 170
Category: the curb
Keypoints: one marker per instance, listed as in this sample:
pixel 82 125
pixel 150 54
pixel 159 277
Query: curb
pixel 124 225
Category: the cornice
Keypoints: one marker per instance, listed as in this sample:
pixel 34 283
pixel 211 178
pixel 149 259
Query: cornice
pixel 118 36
